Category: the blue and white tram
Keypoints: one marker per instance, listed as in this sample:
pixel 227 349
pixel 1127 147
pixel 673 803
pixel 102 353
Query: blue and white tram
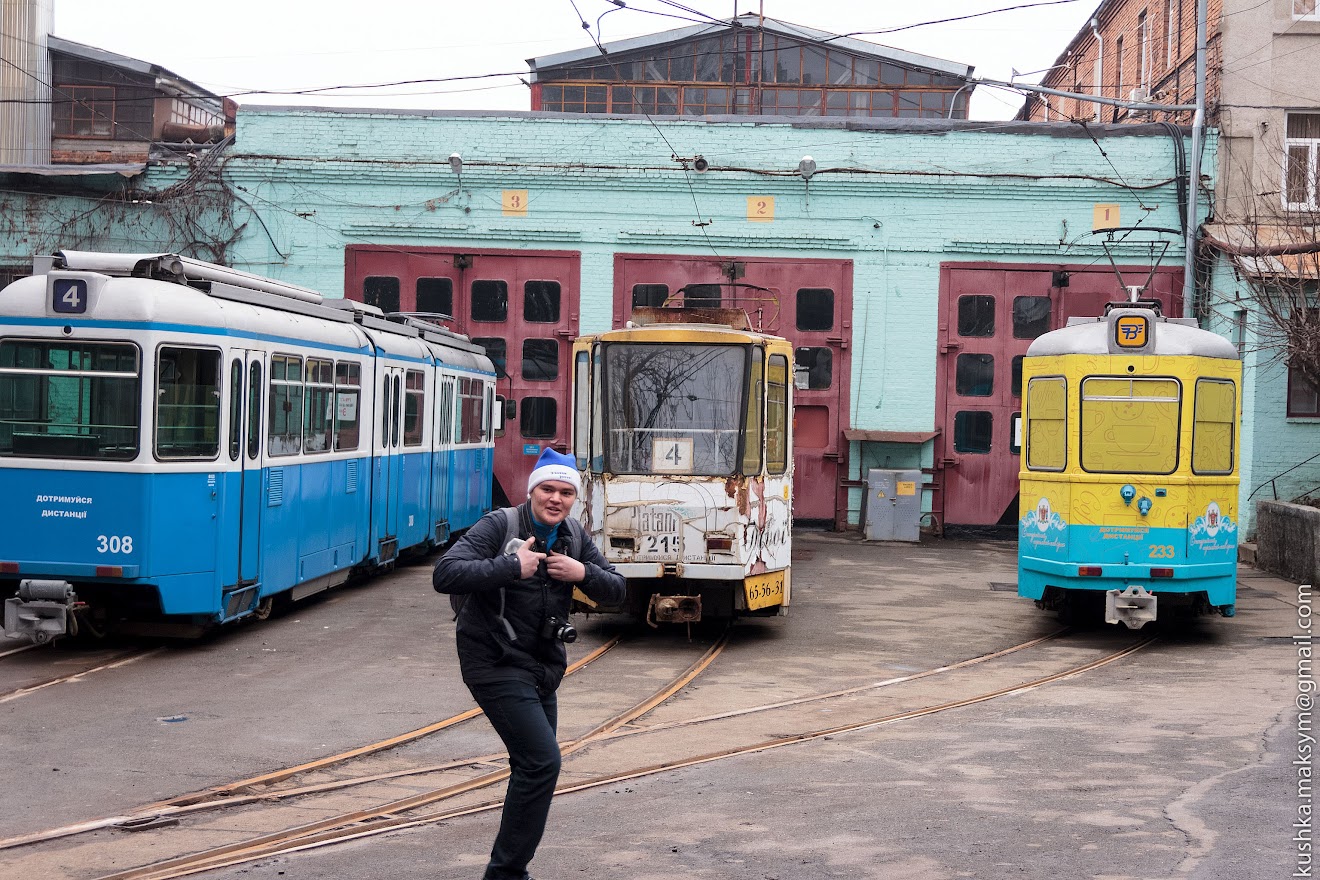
pixel 181 442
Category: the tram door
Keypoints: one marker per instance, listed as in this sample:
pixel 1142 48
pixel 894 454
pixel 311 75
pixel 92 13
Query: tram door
pixel 389 464
pixel 250 406
pixel 521 306
pixel 988 316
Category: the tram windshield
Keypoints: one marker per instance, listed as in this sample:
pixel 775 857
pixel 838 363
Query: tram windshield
pixel 64 399
pixel 674 409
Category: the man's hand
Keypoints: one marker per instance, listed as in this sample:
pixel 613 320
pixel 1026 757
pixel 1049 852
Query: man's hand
pixel 529 559
pixel 565 569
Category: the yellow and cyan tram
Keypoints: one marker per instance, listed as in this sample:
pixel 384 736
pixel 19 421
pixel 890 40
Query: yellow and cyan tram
pixel 1129 479
pixel 682 427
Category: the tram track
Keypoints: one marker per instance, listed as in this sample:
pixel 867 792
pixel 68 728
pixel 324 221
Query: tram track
pixel 402 812
pixel 115 661
pixel 386 818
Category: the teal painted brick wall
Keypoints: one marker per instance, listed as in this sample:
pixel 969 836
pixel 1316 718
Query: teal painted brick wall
pixel 898 200
pixel 1278 452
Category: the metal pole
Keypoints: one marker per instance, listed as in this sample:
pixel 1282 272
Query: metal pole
pixel 1194 166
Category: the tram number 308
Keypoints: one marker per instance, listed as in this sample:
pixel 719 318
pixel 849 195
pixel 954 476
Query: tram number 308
pixel 114 544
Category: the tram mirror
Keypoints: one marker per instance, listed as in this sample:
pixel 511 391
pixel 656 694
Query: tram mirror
pixel 801 377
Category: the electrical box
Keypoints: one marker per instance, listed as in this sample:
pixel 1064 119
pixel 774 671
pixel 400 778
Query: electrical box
pixel 893 505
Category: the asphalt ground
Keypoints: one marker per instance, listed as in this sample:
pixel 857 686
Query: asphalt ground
pixel 1176 761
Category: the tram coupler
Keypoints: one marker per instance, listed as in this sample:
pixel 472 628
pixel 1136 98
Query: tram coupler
pixel 40 611
pixel 1134 607
pixel 673 609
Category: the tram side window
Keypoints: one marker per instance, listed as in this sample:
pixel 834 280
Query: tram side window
pixel 581 410
pixel 348 399
pixel 752 436
pixel 1212 426
pixel 254 411
pixel 63 399
pixel 445 412
pixel 235 409
pixel 414 404
pixel 381 291
pixel 1047 421
pixel 470 416
pixel 776 429
pixel 1129 425
pixel 284 433
pixel 188 403
pixel 318 426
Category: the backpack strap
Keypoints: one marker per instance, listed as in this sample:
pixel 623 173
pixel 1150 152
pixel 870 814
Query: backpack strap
pixel 457 600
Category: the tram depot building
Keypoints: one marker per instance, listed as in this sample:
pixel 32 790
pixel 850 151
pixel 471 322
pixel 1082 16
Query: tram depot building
pixel 910 260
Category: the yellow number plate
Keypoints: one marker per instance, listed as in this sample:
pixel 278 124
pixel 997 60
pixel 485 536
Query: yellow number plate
pixel 764 590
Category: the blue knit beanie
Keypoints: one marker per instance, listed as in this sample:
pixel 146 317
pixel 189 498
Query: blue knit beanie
pixel 554 466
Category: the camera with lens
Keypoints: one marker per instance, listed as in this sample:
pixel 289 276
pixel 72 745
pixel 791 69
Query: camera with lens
pixel 558 628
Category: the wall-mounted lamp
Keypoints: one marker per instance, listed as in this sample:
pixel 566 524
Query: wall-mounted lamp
pixel 807 167
pixel 456 166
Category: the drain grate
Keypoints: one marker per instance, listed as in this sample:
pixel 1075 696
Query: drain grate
pixel 1000 587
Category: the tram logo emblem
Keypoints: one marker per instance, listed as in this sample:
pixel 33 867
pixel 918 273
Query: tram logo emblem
pixel 1212 522
pixel 1043 518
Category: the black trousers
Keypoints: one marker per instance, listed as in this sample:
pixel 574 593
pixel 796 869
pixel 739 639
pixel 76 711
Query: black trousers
pixel 525 718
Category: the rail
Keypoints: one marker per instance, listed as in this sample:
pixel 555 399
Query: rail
pixel 1272 481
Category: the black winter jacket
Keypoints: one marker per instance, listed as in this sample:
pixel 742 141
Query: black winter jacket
pixel 477 565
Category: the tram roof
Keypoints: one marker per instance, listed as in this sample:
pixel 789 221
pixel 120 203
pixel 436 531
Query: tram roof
pixel 1172 338
pixel 686 333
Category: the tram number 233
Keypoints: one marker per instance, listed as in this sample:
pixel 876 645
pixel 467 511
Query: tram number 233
pixel 1161 551
pixel 114 544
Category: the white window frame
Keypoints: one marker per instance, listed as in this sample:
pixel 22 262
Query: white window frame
pixel 1312 146
pixel 1311 15
pixel 1170 33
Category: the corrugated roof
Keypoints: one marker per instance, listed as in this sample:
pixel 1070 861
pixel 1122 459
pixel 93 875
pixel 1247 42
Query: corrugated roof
pixel 167 79
pixel 749 20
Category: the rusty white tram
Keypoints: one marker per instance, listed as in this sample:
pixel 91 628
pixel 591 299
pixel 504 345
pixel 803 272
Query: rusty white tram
pixel 682 428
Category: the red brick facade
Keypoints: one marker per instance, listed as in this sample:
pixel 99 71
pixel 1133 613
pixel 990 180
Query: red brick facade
pixel 1145 44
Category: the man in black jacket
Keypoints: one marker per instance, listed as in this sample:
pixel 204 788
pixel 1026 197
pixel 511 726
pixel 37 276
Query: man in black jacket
pixel 512 581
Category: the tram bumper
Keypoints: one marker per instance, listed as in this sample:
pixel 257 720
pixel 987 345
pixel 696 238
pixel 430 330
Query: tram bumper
pixel 40 611
pixel 1133 607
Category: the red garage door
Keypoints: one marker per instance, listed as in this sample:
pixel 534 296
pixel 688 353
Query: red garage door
pixel 523 306
pixel 989 314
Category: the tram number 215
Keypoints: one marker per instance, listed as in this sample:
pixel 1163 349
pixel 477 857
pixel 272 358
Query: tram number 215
pixel 666 544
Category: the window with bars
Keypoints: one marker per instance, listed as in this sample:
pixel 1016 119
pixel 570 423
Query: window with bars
pixel 1302 146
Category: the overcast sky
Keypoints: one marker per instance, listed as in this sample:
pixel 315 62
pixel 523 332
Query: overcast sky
pixel 249 45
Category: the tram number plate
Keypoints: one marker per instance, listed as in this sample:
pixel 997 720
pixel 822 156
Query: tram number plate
pixel 658 534
pixel 672 456
pixel 764 590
